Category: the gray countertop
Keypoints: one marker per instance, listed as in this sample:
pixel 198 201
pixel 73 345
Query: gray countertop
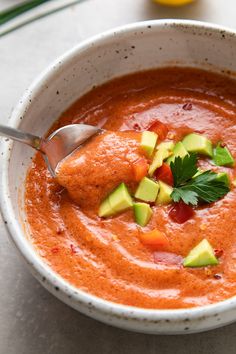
pixel 31 319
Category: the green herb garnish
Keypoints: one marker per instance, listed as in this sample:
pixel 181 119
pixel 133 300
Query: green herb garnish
pixel 204 187
pixel 183 169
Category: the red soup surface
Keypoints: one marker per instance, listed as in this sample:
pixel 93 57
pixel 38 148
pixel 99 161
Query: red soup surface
pixel 105 256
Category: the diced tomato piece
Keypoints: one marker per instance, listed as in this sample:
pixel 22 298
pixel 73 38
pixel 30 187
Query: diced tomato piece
pixel 160 129
pixel 181 212
pixel 164 173
pixel 154 239
pixel 167 258
pixel 140 168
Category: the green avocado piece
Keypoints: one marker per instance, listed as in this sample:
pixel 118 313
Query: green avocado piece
pixel 148 142
pixel 119 200
pixel 147 190
pixel 198 143
pixel 223 177
pixel 105 209
pixel 168 145
pixel 142 213
pixel 201 256
pixel 179 150
pixel 163 151
pixel 165 191
pixel 222 156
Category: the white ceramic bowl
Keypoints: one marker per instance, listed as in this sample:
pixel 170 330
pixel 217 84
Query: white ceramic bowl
pixel 117 52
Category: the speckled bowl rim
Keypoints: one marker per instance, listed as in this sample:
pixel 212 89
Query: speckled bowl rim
pixel 39 268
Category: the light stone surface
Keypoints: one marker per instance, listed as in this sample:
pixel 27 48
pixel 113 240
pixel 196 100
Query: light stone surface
pixel 31 320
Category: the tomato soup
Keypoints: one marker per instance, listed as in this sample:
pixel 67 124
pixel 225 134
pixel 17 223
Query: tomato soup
pixel 113 257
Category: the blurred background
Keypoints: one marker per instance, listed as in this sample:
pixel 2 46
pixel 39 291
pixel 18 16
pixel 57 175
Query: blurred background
pixel 32 34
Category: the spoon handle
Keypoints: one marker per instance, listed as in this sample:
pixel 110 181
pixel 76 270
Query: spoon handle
pixel 26 138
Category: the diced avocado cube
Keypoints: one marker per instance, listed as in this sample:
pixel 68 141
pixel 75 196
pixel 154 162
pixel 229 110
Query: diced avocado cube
pixel 198 143
pixel 120 199
pixel 222 156
pixel 148 142
pixel 160 155
pixel 168 145
pixel 200 256
pixel 142 213
pixel 223 177
pixel 105 209
pixel 147 190
pixel 165 191
pixel 179 150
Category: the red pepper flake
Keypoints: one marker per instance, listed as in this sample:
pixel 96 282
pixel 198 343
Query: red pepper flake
pixel 55 250
pixel 59 230
pixel 73 249
pixel 137 127
pixel 218 252
pixel 217 276
pixel 187 106
pixel 222 145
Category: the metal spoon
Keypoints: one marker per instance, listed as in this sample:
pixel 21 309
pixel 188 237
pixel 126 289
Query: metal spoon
pixel 58 145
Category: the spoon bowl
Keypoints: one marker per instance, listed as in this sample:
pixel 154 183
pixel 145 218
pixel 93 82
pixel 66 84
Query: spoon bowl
pixel 58 145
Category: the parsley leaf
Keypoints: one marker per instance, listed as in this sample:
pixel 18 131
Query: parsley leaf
pixel 187 196
pixel 183 169
pixel 204 187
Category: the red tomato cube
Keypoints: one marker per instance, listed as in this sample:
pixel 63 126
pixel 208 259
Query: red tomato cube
pixel 164 173
pixel 181 212
pixel 160 129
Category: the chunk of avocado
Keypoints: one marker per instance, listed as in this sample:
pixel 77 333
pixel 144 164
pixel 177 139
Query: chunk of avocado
pixel 142 213
pixel 222 156
pixel 223 177
pixel 148 142
pixel 105 209
pixel 119 200
pixel 147 190
pixel 200 256
pixel 163 151
pixel 179 150
pixel 165 191
pixel 168 145
pixel 198 143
